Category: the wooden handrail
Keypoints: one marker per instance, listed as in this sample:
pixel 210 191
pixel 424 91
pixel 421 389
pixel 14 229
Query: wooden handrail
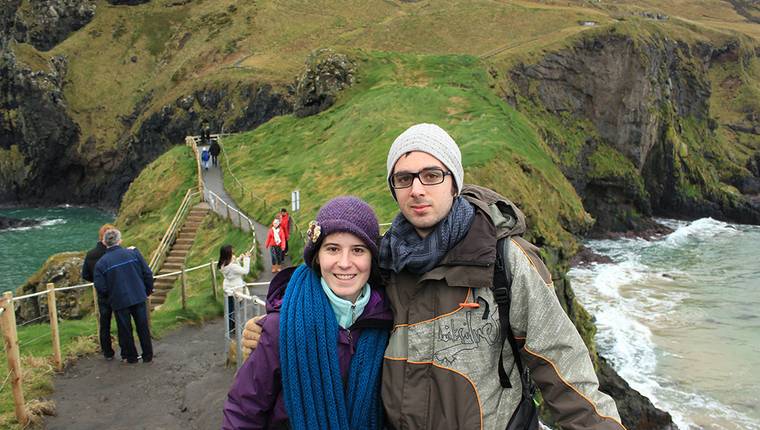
pixel 171 232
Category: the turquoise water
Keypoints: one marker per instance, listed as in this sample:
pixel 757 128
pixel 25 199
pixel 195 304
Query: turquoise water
pixel 24 250
pixel 679 318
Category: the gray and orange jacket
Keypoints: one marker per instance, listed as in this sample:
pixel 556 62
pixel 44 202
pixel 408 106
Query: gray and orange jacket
pixel 441 366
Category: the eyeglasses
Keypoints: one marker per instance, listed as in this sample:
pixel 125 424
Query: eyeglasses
pixel 432 176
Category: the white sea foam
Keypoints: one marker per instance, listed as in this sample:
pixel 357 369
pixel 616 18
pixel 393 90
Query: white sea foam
pixel 54 221
pixel 701 229
pixel 625 311
pixel 42 223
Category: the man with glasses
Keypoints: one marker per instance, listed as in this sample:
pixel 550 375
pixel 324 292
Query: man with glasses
pixel 446 365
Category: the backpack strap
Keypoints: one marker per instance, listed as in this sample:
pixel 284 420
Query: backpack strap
pixel 502 286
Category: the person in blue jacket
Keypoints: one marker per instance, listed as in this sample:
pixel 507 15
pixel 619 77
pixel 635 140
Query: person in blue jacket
pixel 123 276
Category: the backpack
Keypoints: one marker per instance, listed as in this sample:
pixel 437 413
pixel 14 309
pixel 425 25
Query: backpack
pixel 525 416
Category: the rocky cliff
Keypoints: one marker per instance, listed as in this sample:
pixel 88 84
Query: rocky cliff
pixel 645 140
pixel 45 23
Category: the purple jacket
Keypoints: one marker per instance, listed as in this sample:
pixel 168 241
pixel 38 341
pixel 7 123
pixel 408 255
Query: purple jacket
pixel 255 400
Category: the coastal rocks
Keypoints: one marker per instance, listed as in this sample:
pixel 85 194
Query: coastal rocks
pixel 6 223
pixel 636 411
pixel 63 270
pixel 45 23
pixel 327 73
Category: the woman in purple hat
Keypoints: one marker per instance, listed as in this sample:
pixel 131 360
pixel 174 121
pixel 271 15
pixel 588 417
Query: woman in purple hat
pixel 318 362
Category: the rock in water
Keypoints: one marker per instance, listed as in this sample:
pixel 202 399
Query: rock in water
pixel 6 223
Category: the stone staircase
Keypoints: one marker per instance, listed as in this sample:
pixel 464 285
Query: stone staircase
pixel 176 259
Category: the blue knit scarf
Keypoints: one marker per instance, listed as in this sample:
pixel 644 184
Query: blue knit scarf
pixel 315 397
pixel 402 248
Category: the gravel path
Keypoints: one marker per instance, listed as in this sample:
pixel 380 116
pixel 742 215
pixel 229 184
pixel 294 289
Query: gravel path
pixel 183 388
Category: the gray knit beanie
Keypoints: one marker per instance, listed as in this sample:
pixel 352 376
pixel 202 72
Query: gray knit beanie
pixel 342 214
pixel 433 140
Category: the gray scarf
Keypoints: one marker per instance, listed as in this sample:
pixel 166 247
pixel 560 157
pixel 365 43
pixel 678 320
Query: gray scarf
pixel 402 248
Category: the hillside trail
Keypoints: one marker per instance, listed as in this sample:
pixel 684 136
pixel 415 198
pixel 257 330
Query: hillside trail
pixel 184 388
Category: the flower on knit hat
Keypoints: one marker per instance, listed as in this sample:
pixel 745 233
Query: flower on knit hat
pixel 313 231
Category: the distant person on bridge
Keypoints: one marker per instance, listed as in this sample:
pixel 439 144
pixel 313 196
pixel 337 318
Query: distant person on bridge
pixel 276 244
pixel 321 350
pixel 285 223
pixel 104 308
pixel 125 278
pixel 233 272
pixel 205 157
pixel 215 149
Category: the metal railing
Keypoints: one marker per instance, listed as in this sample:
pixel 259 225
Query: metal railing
pixel 244 307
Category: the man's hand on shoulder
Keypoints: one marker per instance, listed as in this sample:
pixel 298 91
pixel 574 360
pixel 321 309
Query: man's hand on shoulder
pixel 252 333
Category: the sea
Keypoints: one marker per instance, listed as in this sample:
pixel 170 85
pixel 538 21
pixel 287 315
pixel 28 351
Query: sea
pixel 679 319
pixel 66 228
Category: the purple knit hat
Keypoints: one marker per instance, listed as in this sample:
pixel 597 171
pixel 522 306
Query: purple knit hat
pixel 342 214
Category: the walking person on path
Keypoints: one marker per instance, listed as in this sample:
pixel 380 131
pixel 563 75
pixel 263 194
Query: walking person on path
pixel 214 150
pixel 205 155
pixel 123 275
pixel 285 223
pixel 319 360
pixel 462 281
pixel 104 308
pixel 276 244
pixel 233 272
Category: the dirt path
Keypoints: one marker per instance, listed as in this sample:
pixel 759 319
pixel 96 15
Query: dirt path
pixel 183 388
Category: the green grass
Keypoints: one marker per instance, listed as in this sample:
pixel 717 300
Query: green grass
pixel 343 150
pixel 152 200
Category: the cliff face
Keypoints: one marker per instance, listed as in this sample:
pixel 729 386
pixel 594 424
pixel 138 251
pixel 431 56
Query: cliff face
pixel 232 108
pixel 649 142
pixel 45 23
pixel 35 130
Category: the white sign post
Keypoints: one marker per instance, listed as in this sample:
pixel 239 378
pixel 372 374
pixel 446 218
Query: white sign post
pixel 295 199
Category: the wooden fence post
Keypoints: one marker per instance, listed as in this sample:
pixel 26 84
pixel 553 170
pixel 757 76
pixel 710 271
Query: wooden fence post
pixel 10 336
pixel 97 309
pixel 213 279
pixel 184 288
pixel 54 334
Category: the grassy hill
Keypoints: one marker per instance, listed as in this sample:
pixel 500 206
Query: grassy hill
pixel 343 150
pixel 127 52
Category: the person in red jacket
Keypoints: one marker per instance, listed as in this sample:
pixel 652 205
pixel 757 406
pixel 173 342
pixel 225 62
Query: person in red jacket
pixel 285 223
pixel 276 243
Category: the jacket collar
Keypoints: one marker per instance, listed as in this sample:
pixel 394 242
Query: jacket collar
pixel 470 262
